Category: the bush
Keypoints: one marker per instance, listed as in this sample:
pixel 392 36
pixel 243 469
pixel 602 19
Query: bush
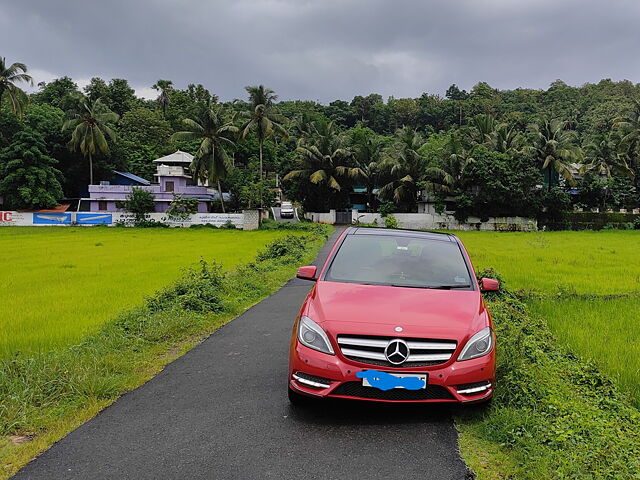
pixel 288 247
pixel 140 202
pixel 386 209
pixel 199 290
pixel 390 221
pixel 181 208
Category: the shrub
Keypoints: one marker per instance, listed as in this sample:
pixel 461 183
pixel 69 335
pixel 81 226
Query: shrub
pixel 140 202
pixel 289 246
pixel 229 225
pixel 199 290
pixel 181 208
pixel 386 209
pixel 390 221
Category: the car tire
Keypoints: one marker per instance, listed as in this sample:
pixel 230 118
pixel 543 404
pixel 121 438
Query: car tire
pixel 298 400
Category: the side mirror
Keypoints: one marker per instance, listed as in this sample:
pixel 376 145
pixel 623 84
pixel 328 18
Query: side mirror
pixel 489 285
pixel 307 273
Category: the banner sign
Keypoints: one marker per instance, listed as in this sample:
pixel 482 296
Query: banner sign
pixel 8 218
pixel 94 218
pixel 15 218
pixel 51 218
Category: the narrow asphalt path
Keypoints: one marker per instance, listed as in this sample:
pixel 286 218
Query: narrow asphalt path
pixel 280 218
pixel 221 412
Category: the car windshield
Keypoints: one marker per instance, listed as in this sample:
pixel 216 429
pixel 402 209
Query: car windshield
pixel 286 205
pixel 399 261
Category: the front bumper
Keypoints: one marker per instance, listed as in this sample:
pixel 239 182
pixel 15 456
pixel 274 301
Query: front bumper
pixel 317 374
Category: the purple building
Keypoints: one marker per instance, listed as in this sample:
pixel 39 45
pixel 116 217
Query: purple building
pixel 172 177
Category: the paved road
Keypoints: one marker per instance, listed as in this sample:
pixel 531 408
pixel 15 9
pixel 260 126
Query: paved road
pixel 280 218
pixel 221 412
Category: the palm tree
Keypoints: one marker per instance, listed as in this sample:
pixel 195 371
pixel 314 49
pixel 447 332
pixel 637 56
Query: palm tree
pixel 604 157
pixel 322 158
pixel 90 123
pixel 211 161
pixel 552 146
pixel 482 128
pixel 506 139
pixel 406 168
pixel 9 76
pixel 164 99
pixel 261 119
pixel 629 127
pixel 368 151
pixel 450 175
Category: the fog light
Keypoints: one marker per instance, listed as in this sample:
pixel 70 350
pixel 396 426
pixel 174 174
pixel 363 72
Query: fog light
pixel 311 380
pixel 473 388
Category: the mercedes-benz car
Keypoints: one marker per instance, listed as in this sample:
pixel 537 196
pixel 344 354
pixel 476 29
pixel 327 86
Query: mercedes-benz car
pixel 394 316
pixel 286 210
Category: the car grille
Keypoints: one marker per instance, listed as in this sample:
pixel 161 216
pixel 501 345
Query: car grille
pixel 356 389
pixel 370 350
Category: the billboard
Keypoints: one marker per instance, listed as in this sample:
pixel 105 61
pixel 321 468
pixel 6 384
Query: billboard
pixel 94 218
pixel 51 218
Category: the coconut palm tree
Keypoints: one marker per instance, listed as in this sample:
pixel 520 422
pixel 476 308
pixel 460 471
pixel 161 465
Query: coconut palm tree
pixel 90 125
pixel 482 128
pixel 506 139
pixel 9 76
pixel 164 99
pixel 450 174
pixel 211 161
pixel 368 153
pixel 405 167
pixel 552 146
pixel 261 119
pixel 604 156
pixel 322 157
pixel 629 127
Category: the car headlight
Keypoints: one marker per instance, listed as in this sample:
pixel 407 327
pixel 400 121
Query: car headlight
pixel 311 335
pixel 478 345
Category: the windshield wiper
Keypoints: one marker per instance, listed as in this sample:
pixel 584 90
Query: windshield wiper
pixel 431 287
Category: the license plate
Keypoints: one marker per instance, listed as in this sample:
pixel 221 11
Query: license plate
pixel 388 381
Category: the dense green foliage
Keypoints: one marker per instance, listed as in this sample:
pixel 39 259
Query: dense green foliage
pixel 480 153
pixel 139 202
pixel 28 177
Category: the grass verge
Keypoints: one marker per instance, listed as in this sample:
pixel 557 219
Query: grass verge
pixel 554 415
pixel 44 396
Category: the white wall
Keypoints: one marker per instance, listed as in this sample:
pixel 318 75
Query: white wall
pixel 321 217
pixel 429 221
pixel 8 218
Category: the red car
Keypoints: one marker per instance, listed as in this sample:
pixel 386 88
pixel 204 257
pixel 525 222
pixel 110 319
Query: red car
pixel 394 316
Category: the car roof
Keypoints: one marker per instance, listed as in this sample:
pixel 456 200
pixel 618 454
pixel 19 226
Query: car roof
pixel 392 232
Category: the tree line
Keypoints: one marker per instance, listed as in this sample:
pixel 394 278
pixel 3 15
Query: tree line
pixel 486 152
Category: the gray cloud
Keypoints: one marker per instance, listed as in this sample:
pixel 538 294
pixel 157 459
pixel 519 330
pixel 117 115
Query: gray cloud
pixel 325 49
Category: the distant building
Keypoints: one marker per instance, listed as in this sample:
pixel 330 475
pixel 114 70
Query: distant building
pixel 172 176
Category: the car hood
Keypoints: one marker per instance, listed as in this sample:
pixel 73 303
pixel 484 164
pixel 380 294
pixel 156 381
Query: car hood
pixel 349 308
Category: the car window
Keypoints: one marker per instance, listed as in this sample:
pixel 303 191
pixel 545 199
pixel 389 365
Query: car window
pixel 399 261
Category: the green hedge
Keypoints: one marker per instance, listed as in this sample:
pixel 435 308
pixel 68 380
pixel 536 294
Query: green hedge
pixel 590 221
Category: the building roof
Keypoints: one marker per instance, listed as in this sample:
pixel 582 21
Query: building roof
pixel 133 177
pixel 176 157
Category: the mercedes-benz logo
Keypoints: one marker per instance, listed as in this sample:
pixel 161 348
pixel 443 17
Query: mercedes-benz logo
pixel 397 351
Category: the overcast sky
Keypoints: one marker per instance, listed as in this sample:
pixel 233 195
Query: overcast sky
pixel 325 49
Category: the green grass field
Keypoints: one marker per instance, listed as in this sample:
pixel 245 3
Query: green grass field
pixel 600 263
pixel 575 278
pixel 60 284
